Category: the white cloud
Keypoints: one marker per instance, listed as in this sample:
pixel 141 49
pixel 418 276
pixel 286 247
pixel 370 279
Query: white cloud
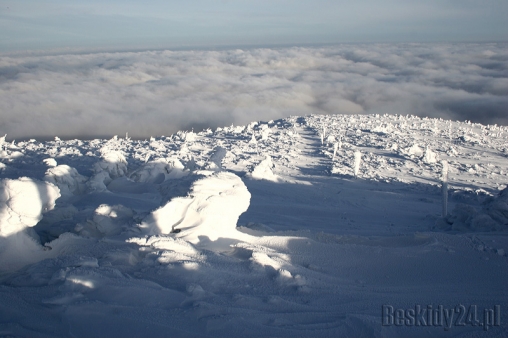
pixel 158 93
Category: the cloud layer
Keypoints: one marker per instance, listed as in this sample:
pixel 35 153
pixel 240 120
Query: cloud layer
pixel 160 92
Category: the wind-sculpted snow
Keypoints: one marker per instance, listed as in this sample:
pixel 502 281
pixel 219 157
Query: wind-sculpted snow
pixel 263 170
pixel 68 180
pixel 298 227
pixel 210 212
pixel 159 170
pixel 161 92
pixel 22 203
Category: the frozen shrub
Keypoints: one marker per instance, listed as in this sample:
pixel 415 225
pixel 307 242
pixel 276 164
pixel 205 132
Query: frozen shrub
pixel 114 163
pixel 67 178
pixel 263 170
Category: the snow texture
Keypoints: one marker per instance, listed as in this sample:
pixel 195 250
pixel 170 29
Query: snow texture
pixel 274 229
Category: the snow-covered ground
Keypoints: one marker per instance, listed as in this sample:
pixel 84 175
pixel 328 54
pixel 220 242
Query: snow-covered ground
pixel 304 226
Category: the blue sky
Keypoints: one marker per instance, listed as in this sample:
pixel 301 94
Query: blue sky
pixel 126 24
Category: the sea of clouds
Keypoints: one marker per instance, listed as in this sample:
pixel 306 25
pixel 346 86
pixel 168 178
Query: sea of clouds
pixel 155 93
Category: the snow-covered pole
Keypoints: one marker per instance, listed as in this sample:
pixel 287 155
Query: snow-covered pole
pixel 322 134
pixel 358 159
pixel 444 187
pixel 335 147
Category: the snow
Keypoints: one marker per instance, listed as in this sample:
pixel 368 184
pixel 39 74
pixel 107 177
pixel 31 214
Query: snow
pixel 23 201
pixel 159 170
pixel 263 170
pixel 281 228
pixel 68 180
pixel 209 212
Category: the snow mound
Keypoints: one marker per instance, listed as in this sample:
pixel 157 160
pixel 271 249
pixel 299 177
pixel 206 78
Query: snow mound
pixel 107 220
pixel 263 170
pixel 493 216
pixel 98 182
pixel 159 170
pixel 113 163
pixel 112 166
pixel 67 178
pixel 413 151
pixel 497 209
pixel 22 203
pixel 185 136
pixel 383 129
pixel 429 157
pixel 209 212
pixel 50 162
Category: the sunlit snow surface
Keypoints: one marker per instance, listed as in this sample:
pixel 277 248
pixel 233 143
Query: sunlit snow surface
pixel 257 230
